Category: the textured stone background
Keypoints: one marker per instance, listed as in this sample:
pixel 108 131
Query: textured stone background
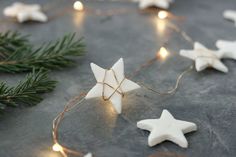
pixel 206 98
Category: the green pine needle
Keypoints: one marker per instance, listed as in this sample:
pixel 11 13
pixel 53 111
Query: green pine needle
pixel 10 42
pixel 20 56
pixel 28 91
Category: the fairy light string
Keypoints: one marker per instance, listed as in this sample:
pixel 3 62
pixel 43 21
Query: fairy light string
pixel 80 7
pixel 78 100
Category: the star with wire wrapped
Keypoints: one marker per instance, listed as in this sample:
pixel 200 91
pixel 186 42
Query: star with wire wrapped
pixel 205 58
pixel 111 84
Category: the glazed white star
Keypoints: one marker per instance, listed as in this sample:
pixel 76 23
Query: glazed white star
pixel 205 58
pixel 111 84
pixel 167 128
pixel 25 12
pixel 88 155
pixel 164 4
pixel 230 15
pixel 228 47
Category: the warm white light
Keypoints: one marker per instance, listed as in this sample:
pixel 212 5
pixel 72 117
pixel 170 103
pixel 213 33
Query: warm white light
pixel 57 148
pixel 162 14
pixel 163 53
pixel 78 6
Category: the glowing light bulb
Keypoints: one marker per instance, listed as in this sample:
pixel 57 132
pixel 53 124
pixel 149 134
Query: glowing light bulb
pixel 162 14
pixel 78 6
pixel 162 53
pixel 57 148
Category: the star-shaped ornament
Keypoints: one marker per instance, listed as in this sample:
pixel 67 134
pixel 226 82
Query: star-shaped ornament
pixel 230 15
pixel 111 84
pixel 205 58
pixel 228 47
pixel 25 12
pixel 164 4
pixel 167 128
pixel 88 155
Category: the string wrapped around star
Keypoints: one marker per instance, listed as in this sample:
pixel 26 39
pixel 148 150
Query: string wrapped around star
pixel 111 84
pixel 206 58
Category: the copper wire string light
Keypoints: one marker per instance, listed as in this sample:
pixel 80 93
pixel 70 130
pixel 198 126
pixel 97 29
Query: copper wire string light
pixel 79 6
pixel 176 86
pixel 78 100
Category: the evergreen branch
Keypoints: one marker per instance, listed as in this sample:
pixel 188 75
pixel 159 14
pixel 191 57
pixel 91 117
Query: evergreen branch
pixel 28 91
pixel 10 42
pixel 54 55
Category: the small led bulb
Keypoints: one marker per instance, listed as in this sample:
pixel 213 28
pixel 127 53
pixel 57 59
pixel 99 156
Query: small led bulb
pixel 162 14
pixel 162 53
pixel 78 6
pixel 57 148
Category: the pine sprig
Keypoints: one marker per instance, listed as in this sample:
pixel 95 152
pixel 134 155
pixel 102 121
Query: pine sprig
pixel 11 42
pixel 54 55
pixel 28 91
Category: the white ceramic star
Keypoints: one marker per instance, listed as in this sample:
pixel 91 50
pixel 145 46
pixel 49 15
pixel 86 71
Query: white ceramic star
pixel 205 58
pixel 25 12
pixel 111 84
pixel 167 128
pixel 230 15
pixel 88 155
pixel 164 4
pixel 228 47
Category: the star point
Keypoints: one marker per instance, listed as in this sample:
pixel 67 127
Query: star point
pixel 228 48
pixel 88 155
pixel 164 4
pixel 111 84
pixel 167 128
pixel 25 12
pixel 230 15
pixel 205 58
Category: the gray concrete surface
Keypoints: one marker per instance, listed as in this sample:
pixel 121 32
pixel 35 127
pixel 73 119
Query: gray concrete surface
pixel 206 98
